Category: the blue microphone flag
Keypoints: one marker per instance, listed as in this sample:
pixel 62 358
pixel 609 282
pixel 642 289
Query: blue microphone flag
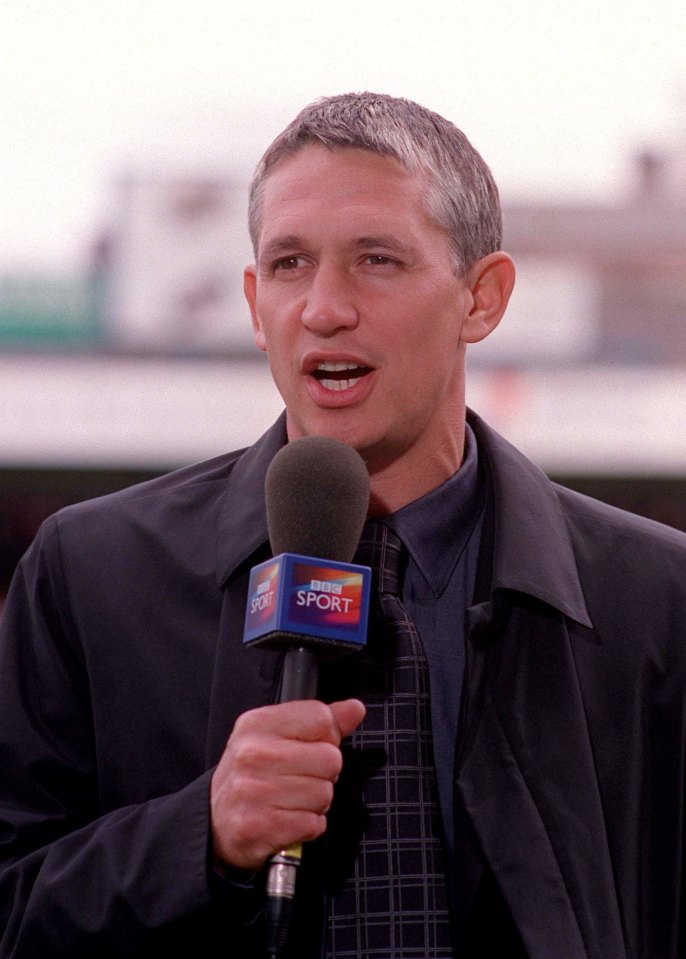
pixel 294 598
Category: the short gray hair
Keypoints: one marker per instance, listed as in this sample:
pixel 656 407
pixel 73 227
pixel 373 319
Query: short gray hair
pixel 462 196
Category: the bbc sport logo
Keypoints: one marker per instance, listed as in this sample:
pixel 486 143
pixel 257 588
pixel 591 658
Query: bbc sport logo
pixel 264 593
pixel 325 595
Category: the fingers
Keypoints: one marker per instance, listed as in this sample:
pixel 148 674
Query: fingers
pixel 348 714
pixel 306 720
pixel 257 751
pixel 275 780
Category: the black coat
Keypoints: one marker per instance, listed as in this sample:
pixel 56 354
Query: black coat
pixel 122 673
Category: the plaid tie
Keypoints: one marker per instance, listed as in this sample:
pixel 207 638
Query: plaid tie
pixel 390 899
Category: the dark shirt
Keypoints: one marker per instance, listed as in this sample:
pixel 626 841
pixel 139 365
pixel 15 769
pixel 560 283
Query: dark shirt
pixel 442 534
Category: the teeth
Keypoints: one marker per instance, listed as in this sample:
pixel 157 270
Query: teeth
pixel 339 384
pixel 335 367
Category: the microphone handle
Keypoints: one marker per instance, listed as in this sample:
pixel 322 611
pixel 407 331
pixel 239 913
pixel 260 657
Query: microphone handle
pixel 299 680
pixel 300 675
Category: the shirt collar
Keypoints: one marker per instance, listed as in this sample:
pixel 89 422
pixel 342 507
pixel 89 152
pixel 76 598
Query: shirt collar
pixel 436 528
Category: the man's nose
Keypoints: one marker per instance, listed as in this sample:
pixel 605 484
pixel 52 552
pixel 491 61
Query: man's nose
pixel 330 303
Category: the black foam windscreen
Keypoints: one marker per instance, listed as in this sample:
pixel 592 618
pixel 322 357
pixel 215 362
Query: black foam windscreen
pixel 317 493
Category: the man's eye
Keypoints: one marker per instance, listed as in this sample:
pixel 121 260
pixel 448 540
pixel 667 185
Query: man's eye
pixel 289 263
pixel 379 259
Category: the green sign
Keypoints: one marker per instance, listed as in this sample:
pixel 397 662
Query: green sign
pixel 49 311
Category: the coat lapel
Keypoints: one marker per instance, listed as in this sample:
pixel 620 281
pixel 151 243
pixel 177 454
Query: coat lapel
pixel 526 776
pixel 242 678
pixel 527 782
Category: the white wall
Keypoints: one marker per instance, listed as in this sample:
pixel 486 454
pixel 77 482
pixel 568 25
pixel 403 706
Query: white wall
pixel 133 413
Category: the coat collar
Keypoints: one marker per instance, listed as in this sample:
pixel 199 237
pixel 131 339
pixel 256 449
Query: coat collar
pixel 242 526
pixel 533 551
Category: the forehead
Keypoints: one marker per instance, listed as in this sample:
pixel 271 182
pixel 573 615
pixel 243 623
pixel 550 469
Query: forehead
pixel 313 157
pixel 319 183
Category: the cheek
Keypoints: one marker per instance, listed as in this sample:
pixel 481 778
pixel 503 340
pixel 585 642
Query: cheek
pixel 268 329
pixel 259 337
pixel 281 354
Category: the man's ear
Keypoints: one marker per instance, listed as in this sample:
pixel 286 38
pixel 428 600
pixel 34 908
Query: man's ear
pixel 490 282
pixel 250 291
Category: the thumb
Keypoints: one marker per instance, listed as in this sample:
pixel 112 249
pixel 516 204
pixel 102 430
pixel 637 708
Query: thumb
pixel 348 714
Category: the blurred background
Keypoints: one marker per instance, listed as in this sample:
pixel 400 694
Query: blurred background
pixel 129 134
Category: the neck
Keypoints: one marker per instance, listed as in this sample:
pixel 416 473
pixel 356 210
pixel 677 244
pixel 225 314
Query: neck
pixel 403 480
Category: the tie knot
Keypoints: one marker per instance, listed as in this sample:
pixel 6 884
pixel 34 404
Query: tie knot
pixel 380 548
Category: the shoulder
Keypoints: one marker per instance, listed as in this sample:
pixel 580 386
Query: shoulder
pixel 631 571
pixel 175 512
pixel 540 520
pixel 190 484
pixel 176 522
pixel 615 531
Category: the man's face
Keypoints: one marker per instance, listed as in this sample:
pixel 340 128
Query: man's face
pixel 356 303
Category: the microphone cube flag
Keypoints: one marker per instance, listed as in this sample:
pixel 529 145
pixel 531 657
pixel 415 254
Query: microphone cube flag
pixel 302 600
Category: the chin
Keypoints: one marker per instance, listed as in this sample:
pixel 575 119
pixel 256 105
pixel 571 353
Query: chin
pixel 334 427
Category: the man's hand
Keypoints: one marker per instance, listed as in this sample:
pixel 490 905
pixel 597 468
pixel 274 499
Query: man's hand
pixel 274 782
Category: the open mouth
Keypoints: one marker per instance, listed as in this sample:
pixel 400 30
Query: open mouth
pixel 339 376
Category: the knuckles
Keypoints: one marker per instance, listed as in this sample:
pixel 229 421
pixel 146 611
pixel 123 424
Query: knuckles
pixel 308 720
pixel 275 781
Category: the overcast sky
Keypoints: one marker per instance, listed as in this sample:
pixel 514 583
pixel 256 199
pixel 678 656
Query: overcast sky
pixel 556 95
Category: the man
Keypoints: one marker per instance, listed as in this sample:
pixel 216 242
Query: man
pixel 148 774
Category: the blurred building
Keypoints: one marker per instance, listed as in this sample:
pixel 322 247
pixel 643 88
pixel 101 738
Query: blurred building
pixel 146 362
pixel 614 277
pixel 173 266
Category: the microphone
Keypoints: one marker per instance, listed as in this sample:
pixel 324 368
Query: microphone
pixel 310 599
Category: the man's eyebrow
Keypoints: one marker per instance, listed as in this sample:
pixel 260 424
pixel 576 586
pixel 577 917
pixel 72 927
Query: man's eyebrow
pixel 385 241
pixel 290 242
pixel 280 244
